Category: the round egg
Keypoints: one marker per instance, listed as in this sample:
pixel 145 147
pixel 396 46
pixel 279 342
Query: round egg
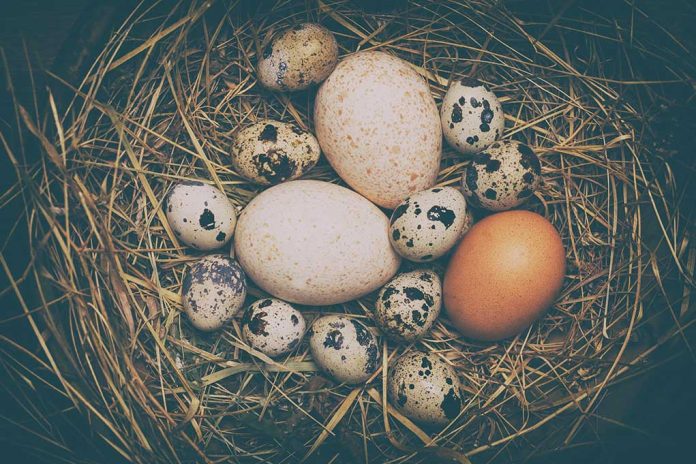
pixel 425 388
pixel 315 243
pixel 272 326
pixel 270 152
pixel 472 117
pixel 502 177
pixel 378 126
pixel 200 215
pixel 213 291
pixel 344 348
pixel 299 57
pixel 409 304
pixel 507 270
pixel 427 224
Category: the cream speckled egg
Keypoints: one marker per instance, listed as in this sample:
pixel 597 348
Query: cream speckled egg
pixel 297 58
pixel 502 177
pixel 270 152
pixel 427 224
pixel 409 304
pixel 472 117
pixel 425 388
pixel 213 291
pixel 272 326
pixel 200 215
pixel 344 348
pixel 378 126
pixel 315 243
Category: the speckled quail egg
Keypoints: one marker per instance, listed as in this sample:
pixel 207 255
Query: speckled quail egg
pixel 200 215
pixel 472 117
pixel 425 388
pixel 407 306
pixel 344 348
pixel 272 326
pixel 299 57
pixel 426 225
pixel 270 152
pixel 502 177
pixel 213 291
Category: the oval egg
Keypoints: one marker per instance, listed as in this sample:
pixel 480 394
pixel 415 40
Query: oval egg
pixel 272 326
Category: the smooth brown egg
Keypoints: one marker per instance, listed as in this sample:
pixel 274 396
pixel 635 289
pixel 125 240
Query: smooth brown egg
pixel 507 270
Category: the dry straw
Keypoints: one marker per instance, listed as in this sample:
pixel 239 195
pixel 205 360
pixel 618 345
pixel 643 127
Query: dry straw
pixel 162 103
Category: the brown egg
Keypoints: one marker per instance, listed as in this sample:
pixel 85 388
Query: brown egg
pixel 507 270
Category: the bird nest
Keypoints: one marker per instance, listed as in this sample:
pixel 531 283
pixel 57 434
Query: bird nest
pixel 162 104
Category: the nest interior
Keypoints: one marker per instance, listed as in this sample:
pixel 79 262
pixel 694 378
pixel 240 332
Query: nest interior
pixel 162 103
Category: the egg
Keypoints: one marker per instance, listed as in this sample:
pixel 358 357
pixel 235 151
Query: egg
pixel 213 291
pixel 315 243
pixel 472 117
pixel 344 348
pixel 378 126
pixel 502 177
pixel 425 388
pixel 270 152
pixel 427 224
pixel 298 58
pixel 272 326
pixel 409 304
pixel 507 270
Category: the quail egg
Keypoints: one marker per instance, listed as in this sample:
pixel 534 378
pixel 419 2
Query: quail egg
pixel 502 177
pixel 213 291
pixel 344 348
pixel 408 306
pixel 472 117
pixel 425 388
pixel 426 225
pixel 200 215
pixel 272 326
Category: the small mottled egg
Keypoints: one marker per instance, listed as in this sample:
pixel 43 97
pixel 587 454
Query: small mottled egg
pixel 272 326
pixel 270 152
pixel 200 215
pixel 344 348
pixel 408 306
pixel 213 291
pixel 472 117
pixel 299 57
pixel 426 225
pixel 425 388
pixel 502 177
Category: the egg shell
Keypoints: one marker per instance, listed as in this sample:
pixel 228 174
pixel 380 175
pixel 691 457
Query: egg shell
pixel 213 291
pixel 344 348
pixel 427 224
pixel 270 152
pixel 378 126
pixel 298 58
pixel 409 304
pixel 507 270
pixel 315 243
pixel 272 326
pixel 502 177
pixel 425 388
pixel 200 215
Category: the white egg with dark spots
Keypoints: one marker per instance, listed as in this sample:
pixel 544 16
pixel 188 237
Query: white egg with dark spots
pixel 213 291
pixel 426 225
pixel 272 326
pixel 200 215
pixel 425 388
pixel 270 152
pixel 472 117
pixel 344 348
pixel 409 304
pixel 502 177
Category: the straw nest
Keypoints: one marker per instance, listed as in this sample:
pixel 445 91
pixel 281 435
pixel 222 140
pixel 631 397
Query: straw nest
pixel 162 104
